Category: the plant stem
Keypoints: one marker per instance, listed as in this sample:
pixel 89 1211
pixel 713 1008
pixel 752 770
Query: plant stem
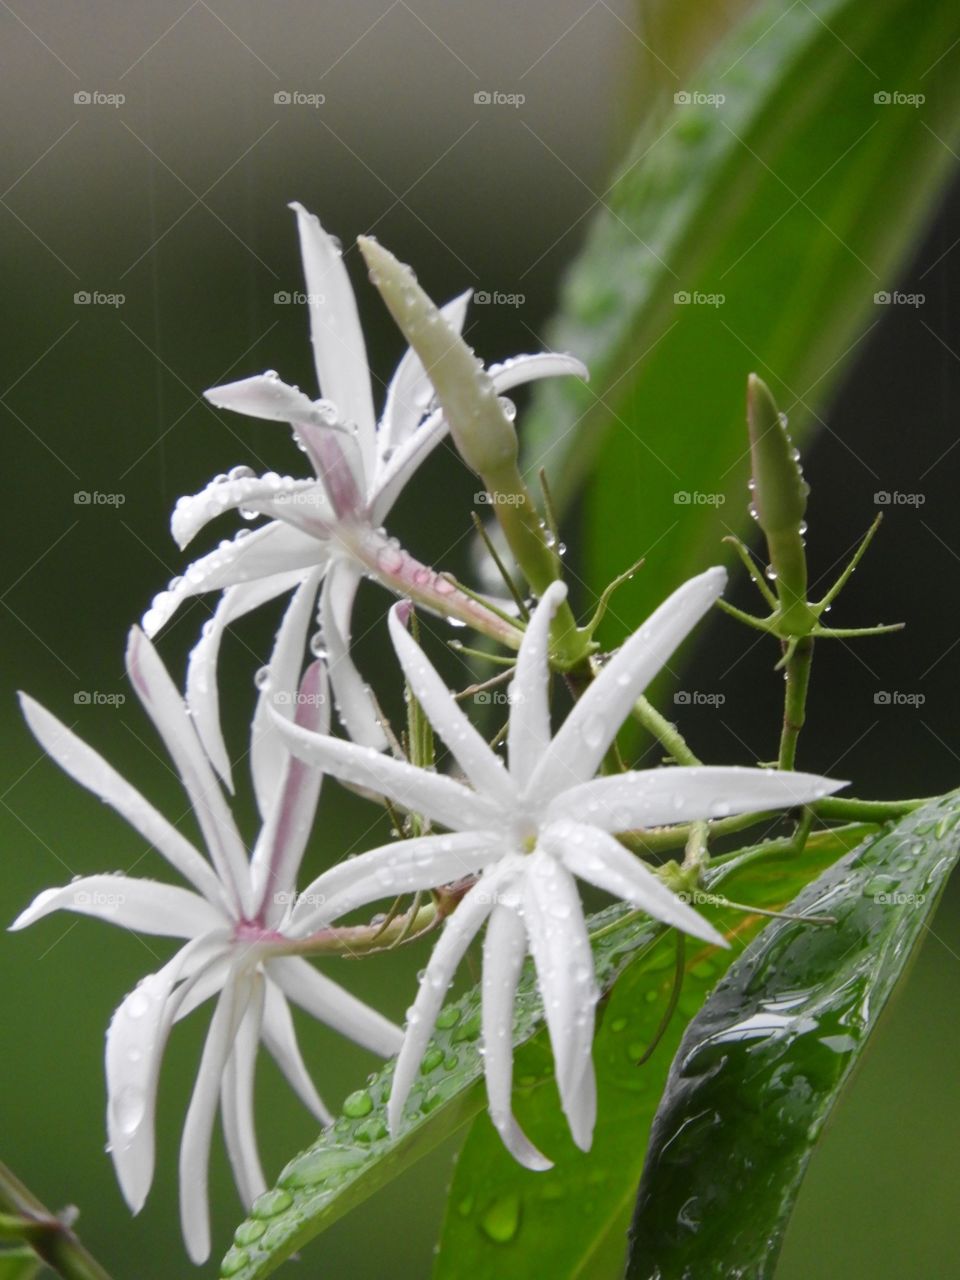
pixel 795 700
pixel 866 810
pixel 664 731
pixel 49 1237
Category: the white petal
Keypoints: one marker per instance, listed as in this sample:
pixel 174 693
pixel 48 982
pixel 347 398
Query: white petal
pixel 273 549
pixel 263 396
pixel 414 789
pixel 281 844
pixel 411 391
pixel 528 732
pixel 202 691
pixel 561 951
pixel 87 767
pixel 397 470
pixel 334 1006
pixel 265 494
pixel 458 932
pixel 591 726
pixel 236 1101
pixel 596 857
pixel 483 767
pixel 504 948
pixel 355 705
pixel 655 797
pixel 166 709
pixel 145 906
pixel 338 347
pixel 281 1040
pixel 198 1126
pixel 268 752
pixel 136 1040
pixel 424 862
pixel 546 364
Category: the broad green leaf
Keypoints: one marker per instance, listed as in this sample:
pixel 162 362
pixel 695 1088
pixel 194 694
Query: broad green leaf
pixel 18 1264
pixel 355 1156
pixel 761 1066
pixel 796 199
pixel 568 1219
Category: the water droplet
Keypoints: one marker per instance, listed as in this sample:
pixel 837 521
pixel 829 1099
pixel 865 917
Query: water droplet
pixel 249 1232
pixel 431 1060
pixel 262 678
pixel 128 1108
pixel 271 1203
pixel 234 1261
pixel 358 1104
pixel 448 1018
pixel 316 1166
pixel 501 1221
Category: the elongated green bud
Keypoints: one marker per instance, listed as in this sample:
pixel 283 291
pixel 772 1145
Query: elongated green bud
pixel 481 430
pixel 778 503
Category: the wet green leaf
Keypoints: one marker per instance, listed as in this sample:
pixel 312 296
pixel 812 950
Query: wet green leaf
pixel 761 1066
pixel 794 200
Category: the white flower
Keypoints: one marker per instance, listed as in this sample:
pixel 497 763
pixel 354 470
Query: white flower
pixel 329 527
pixel 234 919
pixel 529 828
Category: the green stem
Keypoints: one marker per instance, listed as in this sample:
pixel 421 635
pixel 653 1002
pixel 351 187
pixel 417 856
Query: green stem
pixel 666 733
pixel 866 810
pixel 795 700
pixel 49 1237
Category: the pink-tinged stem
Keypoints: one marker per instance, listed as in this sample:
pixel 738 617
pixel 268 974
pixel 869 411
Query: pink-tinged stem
pixel 408 578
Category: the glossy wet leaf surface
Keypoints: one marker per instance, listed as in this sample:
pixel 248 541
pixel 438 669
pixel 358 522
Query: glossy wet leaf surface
pixel 761 1066
pixel 355 1156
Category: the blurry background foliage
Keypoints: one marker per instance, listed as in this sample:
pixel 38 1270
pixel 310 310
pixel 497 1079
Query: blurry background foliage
pixel 815 202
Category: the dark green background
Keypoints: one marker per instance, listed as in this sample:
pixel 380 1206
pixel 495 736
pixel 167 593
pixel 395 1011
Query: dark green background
pixel 176 199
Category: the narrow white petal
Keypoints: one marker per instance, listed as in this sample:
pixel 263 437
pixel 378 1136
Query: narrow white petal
pixel 236 1101
pixel 273 549
pixel 202 692
pixel 396 471
pixel 582 1110
pixel 425 862
pixel 166 709
pixel 136 1040
pixel 87 767
pixel 145 906
pixel 656 797
pixel 414 789
pixel 280 847
pixel 458 932
pixel 546 364
pixel 268 752
pixel 561 951
pixel 591 726
pixel 411 391
pixel 198 1126
pixel 504 948
pixel 265 494
pixel 483 767
pixel 263 396
pixel 528 733
pixel 339 352
pixel 281 1040
pixel 355 705
pixel 332 1005
pixel 596 857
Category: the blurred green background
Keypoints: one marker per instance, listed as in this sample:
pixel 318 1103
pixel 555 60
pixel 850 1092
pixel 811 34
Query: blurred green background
pixel 176 200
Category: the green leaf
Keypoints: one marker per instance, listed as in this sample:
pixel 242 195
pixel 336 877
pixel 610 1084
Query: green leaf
pixel 797 199
pixel 565 1220
pixel 18 1264
pixel 355 1156
pixel 760 1068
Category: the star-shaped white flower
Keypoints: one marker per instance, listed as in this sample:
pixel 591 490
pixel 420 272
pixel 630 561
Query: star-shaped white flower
pixel 528 829
pixel 329 526
pixel 234 918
